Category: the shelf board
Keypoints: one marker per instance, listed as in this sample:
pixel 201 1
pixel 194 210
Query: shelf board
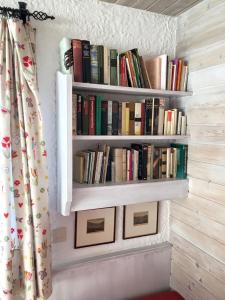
pixel 92 196
pixel 94 89
pixel 128 137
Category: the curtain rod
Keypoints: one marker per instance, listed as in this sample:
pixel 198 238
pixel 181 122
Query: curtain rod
pixel 23 13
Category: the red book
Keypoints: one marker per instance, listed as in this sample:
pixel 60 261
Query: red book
pixel 91 112
pixel 131 167
pixel 142 118
pixel 123 71
pixel 77 60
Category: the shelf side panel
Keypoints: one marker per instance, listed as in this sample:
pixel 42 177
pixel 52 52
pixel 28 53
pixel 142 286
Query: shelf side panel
pixel 64 143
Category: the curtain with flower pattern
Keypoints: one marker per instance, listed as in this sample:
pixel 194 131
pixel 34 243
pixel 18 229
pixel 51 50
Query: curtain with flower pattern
pixel 25 245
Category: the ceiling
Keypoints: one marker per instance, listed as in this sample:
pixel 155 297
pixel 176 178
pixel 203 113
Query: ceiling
pixel 167 7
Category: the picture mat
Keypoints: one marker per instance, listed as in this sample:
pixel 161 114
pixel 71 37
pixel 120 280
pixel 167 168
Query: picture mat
pixel 82 238
pixel 131 230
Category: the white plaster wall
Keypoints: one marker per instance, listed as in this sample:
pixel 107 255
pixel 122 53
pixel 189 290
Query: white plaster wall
pixel 113 26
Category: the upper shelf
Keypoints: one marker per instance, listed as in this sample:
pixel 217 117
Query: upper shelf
pixel 82 87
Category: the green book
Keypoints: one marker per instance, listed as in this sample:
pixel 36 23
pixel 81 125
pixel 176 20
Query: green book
pixel 101 64
pixel 181 160
pixel 98 115
pixel 113 67
pixel 94 64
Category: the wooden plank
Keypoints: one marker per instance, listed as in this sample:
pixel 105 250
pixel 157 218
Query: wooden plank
pixel 208 227
pixel 128 3
pixel 207 133
pixel 211 56
pixel 207 153
pixel 143 4
pixel 202 259
pixel 207 116
pixel 178 7
pixel 207 244
pixel 160 5
pixel 207 190
pixel 180 288
pixel 195 289
pixel 205 207
pixel 206 172
pixel 205 279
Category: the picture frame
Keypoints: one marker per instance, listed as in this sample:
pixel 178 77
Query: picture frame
pixel 140 220
pixel 95 227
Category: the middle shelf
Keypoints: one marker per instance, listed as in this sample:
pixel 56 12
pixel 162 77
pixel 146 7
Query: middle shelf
pixel 129 137
pixel 89 196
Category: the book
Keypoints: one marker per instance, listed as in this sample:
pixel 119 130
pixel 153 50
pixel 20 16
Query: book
pixel 183 125
pixel 115 117
pixel 153 67
pixel 91 112
pixel 113 67
pixel 155 121
pixel 94 64
pixel 123 121
pixel 106 61
pixel 163 75
pixel 100 64
pixel 118 160
pixel 123 71
pixel 79 168
pixel 77 60
pixel 160 120
pixel 74 114
pixel 85 115
pixel 104 118
pixel 142 118
pixel 131 117
pixel 147 82
pixel 109 120
pixel 79 115
pixel 86 61
pixel 98 115
pixel 137 118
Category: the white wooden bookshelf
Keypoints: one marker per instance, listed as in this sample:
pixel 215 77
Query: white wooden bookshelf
pixel 75 197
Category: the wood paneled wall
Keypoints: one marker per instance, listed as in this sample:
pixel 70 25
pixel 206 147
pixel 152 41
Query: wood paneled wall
pixel 198 223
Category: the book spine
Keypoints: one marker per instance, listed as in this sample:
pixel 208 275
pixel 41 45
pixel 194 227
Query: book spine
pixel 131 118
pixel 98 115
pixel 79 115
pixel 101 64
pixel 74 114
pixel 137 119
pixel 106 66
pixel 115 117
pixel 169 121
pixel 130 81
pixel 142 118
pixel 124 168
pixel 183 125
pixel 179 123
pixel 123 121
pixel 91 129
pixel 123 71
pixel 164 157
pixel 148 116
pixel 85 121
pixel 86 60
pixel 179 74
pixel 144 161
pixel 113 67
pixel 104 117
pixel 77 59
pixel 120 119
pixel 131 166
pixel 161 120
pixel 168 158
pixel 156 163
pixel 94 64
pixel 109 124
pixel 127 119
pixel 131 65
pixel 155 116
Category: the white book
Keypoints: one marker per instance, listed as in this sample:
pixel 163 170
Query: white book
pixel 179 123
pixel 183 125
pixel 98 166
pixel 135 163
pixel 109 122
pixel 137 119
pixel 161 120
pixel 164 61
pixel 174 121
pixel 168 158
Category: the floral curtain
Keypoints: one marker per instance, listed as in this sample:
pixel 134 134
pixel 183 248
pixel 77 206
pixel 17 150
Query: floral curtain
pixel 25 245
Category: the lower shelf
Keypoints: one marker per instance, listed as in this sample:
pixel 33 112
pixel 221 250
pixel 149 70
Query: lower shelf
pixel 115 194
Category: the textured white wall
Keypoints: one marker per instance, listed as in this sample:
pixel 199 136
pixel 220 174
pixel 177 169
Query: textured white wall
pixel 113 26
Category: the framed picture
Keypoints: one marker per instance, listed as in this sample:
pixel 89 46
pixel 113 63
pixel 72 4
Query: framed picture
pixel 95 227
pixel 140 220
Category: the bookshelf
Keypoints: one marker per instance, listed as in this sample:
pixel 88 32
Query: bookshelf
pixel 74 196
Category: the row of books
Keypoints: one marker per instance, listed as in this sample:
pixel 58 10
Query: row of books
pixel 94 116
pixel 138 162
pixel 99 64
